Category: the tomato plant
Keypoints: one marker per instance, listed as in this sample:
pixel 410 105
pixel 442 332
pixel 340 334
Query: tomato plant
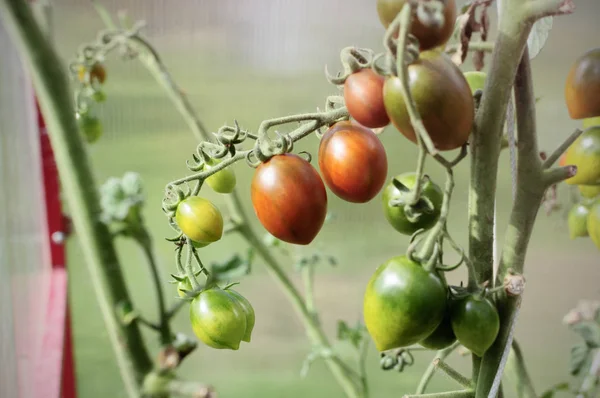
pixel 429 204
pixel 442 97
pixel 585 154
pixel 363 95
pixel 218 319
pixel 475 322
pixel 289 198
pixel 583 85
pixel 353 162
pixel 403 303
pixel 429 37
pixel 199 220
pixel 248 312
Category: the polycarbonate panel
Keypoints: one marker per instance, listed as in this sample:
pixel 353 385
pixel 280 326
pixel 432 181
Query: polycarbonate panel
pixel 24 251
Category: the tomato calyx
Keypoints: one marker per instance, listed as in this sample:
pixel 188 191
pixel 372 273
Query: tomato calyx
pixel 353 60
pixel 413 211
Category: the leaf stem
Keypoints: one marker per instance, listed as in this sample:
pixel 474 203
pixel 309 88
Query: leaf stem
pixel 469 393
pixel 79 187
pixel 428 375
pixel 451 372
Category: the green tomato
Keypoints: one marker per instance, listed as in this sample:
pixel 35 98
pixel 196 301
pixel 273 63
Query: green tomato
pixel 442 337
pixel 396 216
pixel 577 221
pixel 593 223
pixel 223 181
pixel 403 303
pixel 475 323
pixel 248 310
pixel 476 80
pixel 185 284
pixel 91 127
pixel 199 220
pixel 218 320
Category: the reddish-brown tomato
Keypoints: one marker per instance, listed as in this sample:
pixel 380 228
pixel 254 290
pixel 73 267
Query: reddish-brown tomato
pixel 289 198
pixel 353 162
pixel 363 95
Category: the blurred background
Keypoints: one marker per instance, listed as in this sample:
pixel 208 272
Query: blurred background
pixel 250 60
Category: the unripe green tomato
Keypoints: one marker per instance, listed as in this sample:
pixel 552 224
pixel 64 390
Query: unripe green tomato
pixel 476 80
pixel 99 96
pixel 199 220
pixel 403 303
pixel 218 319
pixel 91 127
pixel 591 122
pixel 248 310
pixel 442 337
pixel 475 322
pixel 589 191
pixel 223 181
pixel 184 285
pixel 584 153
pixel 577 221
pixel 593 223
pixel 396 216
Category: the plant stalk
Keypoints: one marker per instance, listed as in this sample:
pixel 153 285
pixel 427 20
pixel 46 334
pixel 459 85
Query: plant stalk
pixel 51 84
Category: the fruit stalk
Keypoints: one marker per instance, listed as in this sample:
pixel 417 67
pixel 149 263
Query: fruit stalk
pixel 78 184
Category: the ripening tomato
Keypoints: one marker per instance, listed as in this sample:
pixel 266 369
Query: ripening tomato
pixel 403 303
pixel 475 322
pixel 442 337
pixel 97 73
pixel 363 95
pixel 593 223
pixel 352 161
pixel 289 198
pixel 248 311
pixel 218 319
pixel 199 220
pixel 585 154
pixel 583 85
pixel 589 191
pixel 429 37
pixel 431 194
pixel 442 96
pixel 223 181
pixel 577 221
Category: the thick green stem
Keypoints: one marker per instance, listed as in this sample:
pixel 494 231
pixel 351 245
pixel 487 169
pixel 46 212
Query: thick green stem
pixel 79 187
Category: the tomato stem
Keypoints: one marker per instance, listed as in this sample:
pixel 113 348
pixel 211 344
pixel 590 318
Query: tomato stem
pixel 452 373
pixel 428 375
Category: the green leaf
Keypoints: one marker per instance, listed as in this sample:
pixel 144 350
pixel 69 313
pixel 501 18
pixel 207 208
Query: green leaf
pixel 564 386
pixel 579 355
pixel 353 335
pixel 233 268
pixel 589 332
pixel 538 36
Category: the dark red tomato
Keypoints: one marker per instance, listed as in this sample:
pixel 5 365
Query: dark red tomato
pixel 429 37
pixel 442 96
pixel 583 85
pixel 363 95
pixel 289 198
pixel 353 162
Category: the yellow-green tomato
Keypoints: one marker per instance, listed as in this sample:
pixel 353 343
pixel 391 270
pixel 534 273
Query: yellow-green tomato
pixel 577 221
pixel 476 80
pixel 591 122
pixel 223 181
pixel 585 154
pixel 199 220
pixel 248 310
pixel 589 191
pixel 593 223
pixel 218 319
